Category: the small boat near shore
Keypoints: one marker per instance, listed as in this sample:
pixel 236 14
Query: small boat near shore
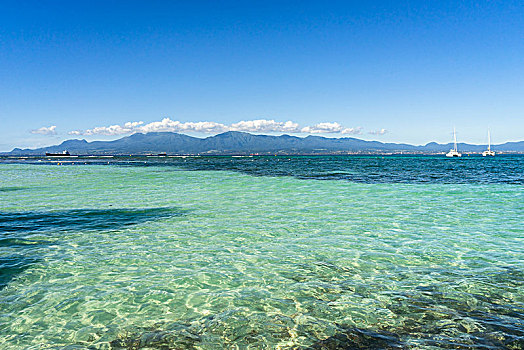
pixel 454 152
pixel 62 154
pixel 488 152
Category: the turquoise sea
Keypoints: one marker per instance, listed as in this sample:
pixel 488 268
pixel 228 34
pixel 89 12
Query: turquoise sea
pixel 324 252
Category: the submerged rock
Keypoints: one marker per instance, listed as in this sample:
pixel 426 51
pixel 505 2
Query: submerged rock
pixel 357 338
pixel 156 340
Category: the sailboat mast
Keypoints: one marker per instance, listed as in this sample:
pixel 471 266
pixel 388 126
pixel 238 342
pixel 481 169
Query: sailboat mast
pixel 489 142
pixel 454 140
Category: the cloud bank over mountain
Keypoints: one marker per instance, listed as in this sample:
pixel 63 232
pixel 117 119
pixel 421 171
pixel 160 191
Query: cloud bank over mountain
pixel 207 127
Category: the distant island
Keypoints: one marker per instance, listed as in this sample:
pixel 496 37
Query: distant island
pixel 234 142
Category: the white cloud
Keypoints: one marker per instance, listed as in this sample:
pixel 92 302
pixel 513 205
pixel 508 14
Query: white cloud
pixel 353 131
pixel 45 130
pixel 258 125
pixel 167 124
pixel 378 132
pixel 263 125
pixel 323 128
pixel 331 128
pixel 127 128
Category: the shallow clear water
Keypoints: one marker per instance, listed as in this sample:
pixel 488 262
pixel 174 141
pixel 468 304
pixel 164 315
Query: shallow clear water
pixel 172 253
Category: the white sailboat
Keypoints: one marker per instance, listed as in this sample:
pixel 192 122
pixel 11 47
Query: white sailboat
pixel 489 152
pixel 454 152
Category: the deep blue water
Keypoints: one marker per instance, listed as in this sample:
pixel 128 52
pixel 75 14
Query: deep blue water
pixel 507 169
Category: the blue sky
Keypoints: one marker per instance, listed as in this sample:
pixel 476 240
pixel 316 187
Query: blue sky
pixel 394 71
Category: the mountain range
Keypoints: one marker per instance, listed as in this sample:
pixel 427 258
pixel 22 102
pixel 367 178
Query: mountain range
pixel 234 142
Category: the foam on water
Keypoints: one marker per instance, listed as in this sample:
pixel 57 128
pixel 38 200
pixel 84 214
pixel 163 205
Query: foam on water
pixel 161 257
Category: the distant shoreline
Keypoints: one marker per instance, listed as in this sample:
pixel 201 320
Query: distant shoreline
pixel 245 155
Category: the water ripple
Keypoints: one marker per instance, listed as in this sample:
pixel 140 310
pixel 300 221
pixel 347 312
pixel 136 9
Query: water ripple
pixel 222 259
